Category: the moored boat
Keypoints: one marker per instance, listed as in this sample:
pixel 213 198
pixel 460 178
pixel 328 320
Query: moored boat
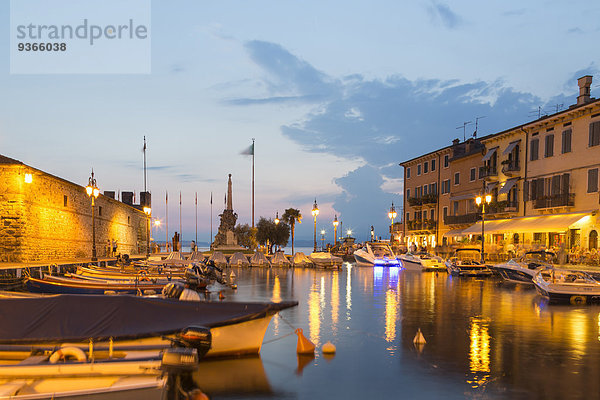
pixel 376 254
pixel 567 286
pixel 523 269
pixel 323 259
pixel 280 260
pixel 422 261
pixel 145 324
pixel 301 260
pixel 258 259
pixel 238 259
pixel 467 262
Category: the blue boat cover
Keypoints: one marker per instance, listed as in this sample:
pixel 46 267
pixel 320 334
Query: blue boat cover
pixel 66 317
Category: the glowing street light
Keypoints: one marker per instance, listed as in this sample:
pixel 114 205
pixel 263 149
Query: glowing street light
pixel 148 212
pixel 391 215
pixel 92 191
pixel 277 218
pixel 322 239
pixel 480 202
pixel 349 232
pixel 335 225
pixel 315 212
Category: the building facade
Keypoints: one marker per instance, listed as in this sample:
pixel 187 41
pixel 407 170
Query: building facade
pixel 46 218
pixel 542 177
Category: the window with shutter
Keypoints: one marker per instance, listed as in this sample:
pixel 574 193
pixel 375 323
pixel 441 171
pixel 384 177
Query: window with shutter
pixel 535 145
pixel 565 184
pixel 566 141
pixel 549 150
pixel 526 191
pixel 555 185
pixel 594 134
pixel 592 180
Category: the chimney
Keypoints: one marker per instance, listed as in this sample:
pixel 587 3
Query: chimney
pixel 455 142
pixel 584 89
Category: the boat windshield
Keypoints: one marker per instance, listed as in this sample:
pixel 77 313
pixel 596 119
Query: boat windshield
pixel 564 276
pixel 382 251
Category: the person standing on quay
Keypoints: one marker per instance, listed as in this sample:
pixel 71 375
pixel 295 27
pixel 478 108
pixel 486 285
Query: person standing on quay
pixel 114 247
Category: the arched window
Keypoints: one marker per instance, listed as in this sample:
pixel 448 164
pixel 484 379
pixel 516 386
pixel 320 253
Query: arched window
pixel 593 240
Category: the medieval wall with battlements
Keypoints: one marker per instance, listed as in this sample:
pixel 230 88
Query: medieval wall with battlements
pixel 50 219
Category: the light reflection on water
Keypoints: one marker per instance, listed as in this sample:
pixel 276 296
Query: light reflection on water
pixel 484 339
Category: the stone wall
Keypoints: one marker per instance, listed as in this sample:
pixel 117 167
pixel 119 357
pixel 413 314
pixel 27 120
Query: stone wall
pixel 51 219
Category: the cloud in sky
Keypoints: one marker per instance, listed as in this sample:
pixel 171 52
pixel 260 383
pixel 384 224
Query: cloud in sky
pixel 383 122
pixel 440 12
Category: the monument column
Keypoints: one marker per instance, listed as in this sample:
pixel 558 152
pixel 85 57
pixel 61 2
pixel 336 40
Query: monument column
pixel 229 191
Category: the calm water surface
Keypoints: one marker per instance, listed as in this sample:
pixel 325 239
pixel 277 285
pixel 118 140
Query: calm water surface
pixel 484 339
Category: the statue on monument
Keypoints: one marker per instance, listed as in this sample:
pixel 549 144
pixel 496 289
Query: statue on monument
pixel 225 236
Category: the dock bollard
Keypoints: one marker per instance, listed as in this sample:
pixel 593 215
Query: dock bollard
pixel 304 346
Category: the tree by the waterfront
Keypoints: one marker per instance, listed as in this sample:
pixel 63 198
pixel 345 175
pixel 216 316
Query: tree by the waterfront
pixel 267 231
pixel 246 236
pixel 290 216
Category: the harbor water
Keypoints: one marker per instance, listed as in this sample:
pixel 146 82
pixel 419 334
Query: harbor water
pixel 485 339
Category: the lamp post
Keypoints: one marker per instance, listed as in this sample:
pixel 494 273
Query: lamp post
pixel 349 232
pixel 277 218
pixel 335 225
pixel 315 212
pixel 148 212
pixel 322 239
pixel 482 200
pixel 391 215
pixel 92 191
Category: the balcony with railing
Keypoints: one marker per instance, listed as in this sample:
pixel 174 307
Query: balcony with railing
pixel 502 207
pixel 510 167
pixel 470 218
pixel 487 172
pixel 421 225
pixel 554 201
pixel 423 200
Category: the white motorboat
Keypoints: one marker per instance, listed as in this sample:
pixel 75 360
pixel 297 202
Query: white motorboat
pixel 422 261
pixel 378 254
pixel 567 286
pixel 467 262
pixel 523 269
pixel 323 259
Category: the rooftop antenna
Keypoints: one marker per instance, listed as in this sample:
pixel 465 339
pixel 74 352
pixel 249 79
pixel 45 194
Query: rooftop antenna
pixel 558 107
pixel 538 112
pixel 464 128
pixel 477 124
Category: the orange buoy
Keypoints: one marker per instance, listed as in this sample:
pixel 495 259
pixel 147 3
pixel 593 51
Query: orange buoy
pixel 221 295
pixel 304 346
pixel 419 338
pixel 328 348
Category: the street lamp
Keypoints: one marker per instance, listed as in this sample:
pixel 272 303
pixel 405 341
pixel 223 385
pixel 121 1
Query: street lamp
pixel 335 225
pixel 322 239
pixel 480 202
pixel 148 212
pixel 277 218
pixel 349 232
pixel 92 191
pixel 391 215
pixel 315 212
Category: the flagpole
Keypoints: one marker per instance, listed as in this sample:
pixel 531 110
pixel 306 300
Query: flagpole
pixel 167 218
pixel 252 182
pixel 145 164
pixel 211 237
pixel 196 217
pixel 180 233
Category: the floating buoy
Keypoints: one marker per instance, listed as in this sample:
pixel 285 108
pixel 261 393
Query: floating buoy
pixel 232 275
pixel 221 295
pixel 328 348
pixel 233 286
pixel 419 338
pixel 304 346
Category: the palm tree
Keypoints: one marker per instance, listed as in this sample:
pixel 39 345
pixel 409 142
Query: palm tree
pixel 290 216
